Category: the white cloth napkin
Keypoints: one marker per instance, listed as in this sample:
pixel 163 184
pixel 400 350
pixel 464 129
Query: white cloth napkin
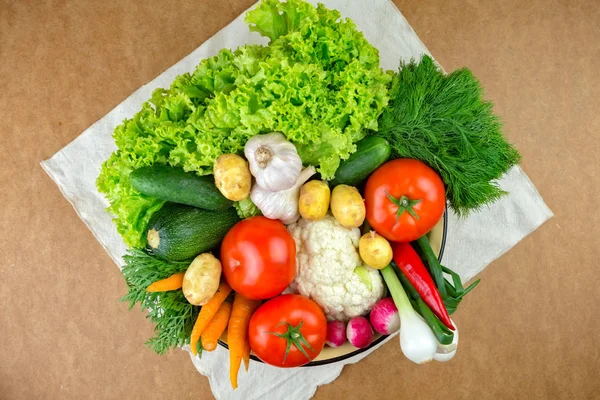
pixel 470 247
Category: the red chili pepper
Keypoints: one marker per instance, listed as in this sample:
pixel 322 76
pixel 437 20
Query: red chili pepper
pixel 413 268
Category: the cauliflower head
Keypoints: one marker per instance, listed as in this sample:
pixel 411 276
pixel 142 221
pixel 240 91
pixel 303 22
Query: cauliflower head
pixel 326 259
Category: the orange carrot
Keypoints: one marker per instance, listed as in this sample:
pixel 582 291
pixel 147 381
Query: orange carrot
pixel 173 282
pixel 247 355
pixel 207 312
pixel 237 333
pixel 216 327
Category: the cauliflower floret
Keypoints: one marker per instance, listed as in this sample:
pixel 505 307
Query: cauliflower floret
pixel 326 257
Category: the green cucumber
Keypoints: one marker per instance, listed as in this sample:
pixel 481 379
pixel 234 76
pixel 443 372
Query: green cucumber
pixel 177 186
pixel 370 153
pixel 178 232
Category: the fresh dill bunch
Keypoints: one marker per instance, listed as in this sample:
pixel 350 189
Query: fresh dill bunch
pixel 443 121
pixel 173 315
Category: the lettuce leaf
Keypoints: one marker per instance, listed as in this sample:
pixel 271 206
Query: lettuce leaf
pixel 246 208
pixel 318 82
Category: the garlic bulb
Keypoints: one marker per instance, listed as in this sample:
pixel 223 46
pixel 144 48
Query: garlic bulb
pixel 274 161
pixel 281 205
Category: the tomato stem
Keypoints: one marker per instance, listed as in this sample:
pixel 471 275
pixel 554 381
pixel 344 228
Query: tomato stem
pixel 404 204
pixel 293 336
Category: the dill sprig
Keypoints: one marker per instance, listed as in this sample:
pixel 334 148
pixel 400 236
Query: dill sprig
pixel 443 121
pixel 170 311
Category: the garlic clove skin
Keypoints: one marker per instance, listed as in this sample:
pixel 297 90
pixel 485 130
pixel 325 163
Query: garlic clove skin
pixel 273 160
pixel 281 205
pixel 280 175
pixel 274 205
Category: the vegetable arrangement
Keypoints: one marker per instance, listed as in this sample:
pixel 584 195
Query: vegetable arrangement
pixel 283 169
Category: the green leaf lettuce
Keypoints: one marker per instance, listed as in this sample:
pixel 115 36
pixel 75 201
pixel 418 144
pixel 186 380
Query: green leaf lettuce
pixel 318 82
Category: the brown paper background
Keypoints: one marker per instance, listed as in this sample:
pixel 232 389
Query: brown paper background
pixel 530 330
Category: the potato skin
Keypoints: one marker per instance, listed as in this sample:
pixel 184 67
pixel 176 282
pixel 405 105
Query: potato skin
pixel 232 177
pixel 201 280
pixel 348 206
pixel 375 250
pixel 313 203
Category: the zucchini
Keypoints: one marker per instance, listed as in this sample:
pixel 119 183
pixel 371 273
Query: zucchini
pixel 175 185
pixel 370 153
pixel 179 232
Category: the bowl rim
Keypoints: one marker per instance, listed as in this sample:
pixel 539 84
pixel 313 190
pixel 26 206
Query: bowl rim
pixel 374 342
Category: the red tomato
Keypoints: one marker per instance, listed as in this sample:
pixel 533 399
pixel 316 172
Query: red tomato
pixel 404 199
pixel 259 258
pixel 288 331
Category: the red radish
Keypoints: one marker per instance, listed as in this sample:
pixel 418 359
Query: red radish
pixel 336 333
pixel 359 332
pixel 384 317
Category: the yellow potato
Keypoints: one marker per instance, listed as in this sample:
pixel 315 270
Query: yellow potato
pixel 201 280
pixel 375 250
pixel 348 206
pixel 314 200
pixel 232 177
